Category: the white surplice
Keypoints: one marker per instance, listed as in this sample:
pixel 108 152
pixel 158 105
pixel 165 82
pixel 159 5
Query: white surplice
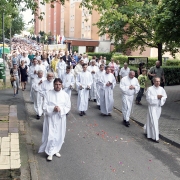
pixel 93 89
pixel 83 79
pixel 54 126
pixel 106 93
pixel 42 67
pixel 128 95
pixel 46 86
pixel 154 111
pixel 98 77
pixel 32 76
pixel 68 80
pixel 37 97
pixel 61 68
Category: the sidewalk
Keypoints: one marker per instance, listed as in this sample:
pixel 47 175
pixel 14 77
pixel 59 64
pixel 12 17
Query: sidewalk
pixel 169 123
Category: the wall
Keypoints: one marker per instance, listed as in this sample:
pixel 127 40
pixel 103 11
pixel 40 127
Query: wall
pixel 82 49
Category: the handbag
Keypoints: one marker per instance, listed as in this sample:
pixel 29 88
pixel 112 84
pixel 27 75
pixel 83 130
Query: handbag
pixel 12 78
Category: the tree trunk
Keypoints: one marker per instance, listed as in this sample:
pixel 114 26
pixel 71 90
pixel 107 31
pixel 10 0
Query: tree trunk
pixel 160 52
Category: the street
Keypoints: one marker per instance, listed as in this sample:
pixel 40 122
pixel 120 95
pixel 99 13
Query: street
pixel 102 148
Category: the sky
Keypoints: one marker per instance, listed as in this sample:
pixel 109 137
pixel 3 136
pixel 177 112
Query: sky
pixel 27 16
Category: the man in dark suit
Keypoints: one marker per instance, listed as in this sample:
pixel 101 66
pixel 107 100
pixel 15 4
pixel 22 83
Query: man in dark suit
pixel 67 58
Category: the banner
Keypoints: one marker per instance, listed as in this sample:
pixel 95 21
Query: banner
pixel 55 47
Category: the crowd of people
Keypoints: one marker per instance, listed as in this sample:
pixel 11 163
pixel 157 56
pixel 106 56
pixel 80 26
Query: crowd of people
pixel 53 75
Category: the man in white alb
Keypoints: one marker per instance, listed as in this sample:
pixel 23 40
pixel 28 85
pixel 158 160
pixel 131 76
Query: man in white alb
pixel 42 67
pixel 61 67
pixel 124 71
pixel 129 86
pixel 68 81
pixel 56 105
pixel 107 83
pixel 93 69
pixel 156 97
pixel 100 73
pixel 37 97
pixel 84 81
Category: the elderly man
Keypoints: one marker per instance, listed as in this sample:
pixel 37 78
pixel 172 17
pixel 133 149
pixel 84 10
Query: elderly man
pixel 56 105
pixel 100 73
pixel 93 69
pixel 129 86
pixel 157 71
pixel 42 67
pixel 124 71
pixel 68 81
pixel 107 83
pixel 84 81
pixel 156 97
pixel 47 85
pixel 38 99
pixel 61 67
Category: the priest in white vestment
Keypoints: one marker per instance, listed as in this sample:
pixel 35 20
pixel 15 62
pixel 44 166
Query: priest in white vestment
pixel 84 81
pixel 107 83
pixel 129 86
pixel 56 105
pixel 42 67
pixel 156 97
pixel 68 81
pixel 61 67
pixel 48 84
pixel 38 99
pixel 99 74
pixel 32 73
pixel 93 69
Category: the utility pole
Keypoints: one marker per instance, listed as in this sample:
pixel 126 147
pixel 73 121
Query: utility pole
pixel 4 80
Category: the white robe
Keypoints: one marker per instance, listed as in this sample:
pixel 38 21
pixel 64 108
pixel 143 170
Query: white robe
pixel 93 89
pixel 154 111
pixel 54 126
pixel 42 67
pixel 106 93
pixel 46 86
pixel 128 95
pixel 83 79
pixel 98 76
pixel 78 68
pixel 37 97
pixel 68 80
pixel 61 68
pixel 32 76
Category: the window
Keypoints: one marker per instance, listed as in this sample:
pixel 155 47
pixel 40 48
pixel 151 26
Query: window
pixel 82 25
pixel 82 35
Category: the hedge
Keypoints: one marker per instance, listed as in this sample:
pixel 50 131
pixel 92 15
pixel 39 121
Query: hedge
pixel 107 55
pixel 171 73
pixel 173 63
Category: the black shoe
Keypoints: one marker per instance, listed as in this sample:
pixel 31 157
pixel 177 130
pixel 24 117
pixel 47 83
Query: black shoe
pixel 84 113
pixel 127 124
pixel 67 114
pixel 94 100
pixel 37 117
pixel 81 113
pixel 124 121
pixel 99 107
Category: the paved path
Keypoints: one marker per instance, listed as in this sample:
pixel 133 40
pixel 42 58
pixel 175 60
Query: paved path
pixel 169 123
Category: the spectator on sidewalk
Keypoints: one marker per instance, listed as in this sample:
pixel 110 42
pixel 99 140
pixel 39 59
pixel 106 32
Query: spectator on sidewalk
pixel 142 78
pixel 156 97
pixel 129 86
pixel 124 71
pixel 139 71
pixel 15 73
pixel 157 71
pixel 56 105
pixel 23 74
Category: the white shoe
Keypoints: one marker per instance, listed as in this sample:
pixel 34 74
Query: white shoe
pixel 58 155
pixel 49 158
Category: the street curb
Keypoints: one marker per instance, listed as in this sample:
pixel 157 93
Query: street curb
pixel 160 135
pixel 30 149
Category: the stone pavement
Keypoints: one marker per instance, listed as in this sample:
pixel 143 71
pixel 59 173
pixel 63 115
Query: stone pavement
pixel 169 123
pixel 9 143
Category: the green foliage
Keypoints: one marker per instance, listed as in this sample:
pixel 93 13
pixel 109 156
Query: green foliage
pixel 173 63
pixel 107 55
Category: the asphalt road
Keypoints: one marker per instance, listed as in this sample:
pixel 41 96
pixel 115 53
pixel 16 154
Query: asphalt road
pixel 102 148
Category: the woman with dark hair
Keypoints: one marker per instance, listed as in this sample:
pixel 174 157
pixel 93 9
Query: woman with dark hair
pixel 23 74
pixel 141 66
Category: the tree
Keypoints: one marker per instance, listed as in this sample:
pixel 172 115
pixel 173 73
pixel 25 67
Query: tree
pixel 133 24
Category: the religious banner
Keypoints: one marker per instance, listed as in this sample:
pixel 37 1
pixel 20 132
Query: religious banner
pixel 137 60
pixel 55 47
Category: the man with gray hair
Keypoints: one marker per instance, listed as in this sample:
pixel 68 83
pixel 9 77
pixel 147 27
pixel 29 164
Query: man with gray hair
pixel 156 97
pixel 124 71
pixel 129 86
pixel 37 97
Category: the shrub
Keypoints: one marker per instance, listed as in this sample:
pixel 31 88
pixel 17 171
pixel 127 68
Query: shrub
pixel 173 63
pixel 107 55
